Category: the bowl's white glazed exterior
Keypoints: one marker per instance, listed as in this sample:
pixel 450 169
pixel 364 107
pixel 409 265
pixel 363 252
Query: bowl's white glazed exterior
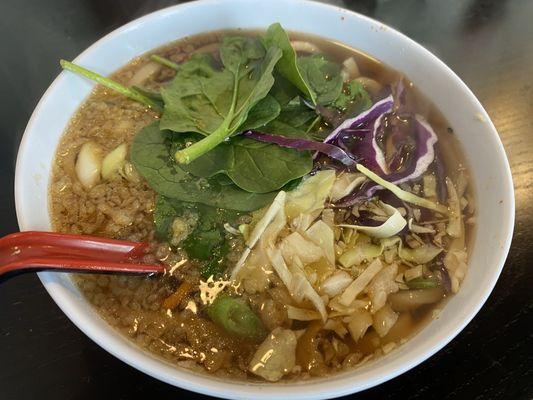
pixel 485 153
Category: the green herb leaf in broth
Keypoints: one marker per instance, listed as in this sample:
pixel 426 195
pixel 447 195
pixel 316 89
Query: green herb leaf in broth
pixel 164 215
pixel 287 66
pixel 353 100
pixel 151 157
pixel 205 242
pixel 423 283
pixel 202 244
pixel 217 265
pixel 322 76
pixel 216 103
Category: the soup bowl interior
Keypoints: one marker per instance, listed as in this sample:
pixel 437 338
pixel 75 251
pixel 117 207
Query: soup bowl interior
pixel 489 168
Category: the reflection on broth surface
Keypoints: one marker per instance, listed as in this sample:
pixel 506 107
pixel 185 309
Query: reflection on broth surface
pixel 281 263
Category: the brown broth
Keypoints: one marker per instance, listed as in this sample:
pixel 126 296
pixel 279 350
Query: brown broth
pixel 123 209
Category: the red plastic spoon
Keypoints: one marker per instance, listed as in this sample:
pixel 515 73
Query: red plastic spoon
pixel 58 251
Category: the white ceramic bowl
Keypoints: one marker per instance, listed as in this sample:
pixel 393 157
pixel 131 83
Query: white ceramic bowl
pixel 489 166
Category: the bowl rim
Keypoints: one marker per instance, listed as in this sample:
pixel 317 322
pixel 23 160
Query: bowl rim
pixel 234 389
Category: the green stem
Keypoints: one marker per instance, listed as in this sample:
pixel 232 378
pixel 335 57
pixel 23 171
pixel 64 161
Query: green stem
pixel 208 143
pixel 111 84
pixel 314 123
pixel 164 61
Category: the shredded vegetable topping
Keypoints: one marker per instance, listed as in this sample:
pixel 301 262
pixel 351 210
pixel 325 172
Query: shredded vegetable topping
pixel 393 225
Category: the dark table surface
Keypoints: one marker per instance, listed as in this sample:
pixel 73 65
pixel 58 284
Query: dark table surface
pixel 488 43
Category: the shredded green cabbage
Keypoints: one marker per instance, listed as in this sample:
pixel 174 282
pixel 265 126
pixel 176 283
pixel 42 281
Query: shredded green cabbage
pixel 392 226
pixel 259 229
pixel 365 251
pixel 402 194
pixel 455 225
pixel 309 197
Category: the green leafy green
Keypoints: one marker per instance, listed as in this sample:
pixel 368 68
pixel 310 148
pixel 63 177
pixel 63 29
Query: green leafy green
pixel 236 317
pixel 207 242
pixel 215 103
pixel 253 166
pixel 290 186
pixel 279 127
pixel 217 264
pixel 264 111
pixel 151 157
pixel 287 66
pixel 262 167
pixel 283 90
pixel 353 100
pixel 322 76
pixel 164 214
pixel 203 242
pixel 154 96
pixel 296 115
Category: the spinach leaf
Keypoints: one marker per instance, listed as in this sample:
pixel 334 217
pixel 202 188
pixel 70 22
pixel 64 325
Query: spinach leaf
pixel 262 167
pixel 287 66
pixel 202 243
pixel 289 187
pixel 217 264
pixel 207 240
pixel 212 163
pixel 353 100
pixel 265 111
pixel 279 127
pixel 188 104
pixel 216 103
pixel 164 214
pixel 255 166
pixel 151 157
pixel 322 76
pixel 296 115
pixel 283 90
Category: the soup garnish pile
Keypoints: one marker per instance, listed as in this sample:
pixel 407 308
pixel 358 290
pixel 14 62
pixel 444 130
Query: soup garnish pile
pixel 311 208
